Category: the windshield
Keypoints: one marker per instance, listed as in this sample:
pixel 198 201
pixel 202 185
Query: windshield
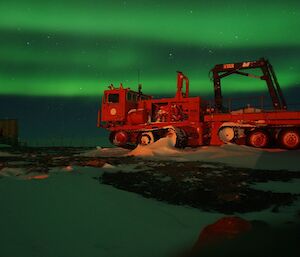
pixel 113 98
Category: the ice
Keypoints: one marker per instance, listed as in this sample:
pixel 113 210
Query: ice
pixel 125 168
pixel 19 163
pixel 210 166
pixel 105 152
pixel 165 179
pixel 22 173
pixel 12 172
pixel 6 154
pixel 279 186
pixel 229 154
pixel 77 216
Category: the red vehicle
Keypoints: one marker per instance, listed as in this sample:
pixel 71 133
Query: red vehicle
pixel 135 118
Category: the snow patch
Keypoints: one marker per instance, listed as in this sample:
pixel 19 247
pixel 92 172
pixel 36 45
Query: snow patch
pixel 165 179
pixel 279 186
pixel 162 147
pixel 6 154
pixel 105 152
pixel 210 166
pixel 127 168
pixel 229 154
pixel 108 222
pixel 19 163
pixel 23 174
pixel 68 168
pixel 192 180
pixel 11 172
pixel 108 166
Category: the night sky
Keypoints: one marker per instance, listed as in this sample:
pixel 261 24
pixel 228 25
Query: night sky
pixel 77 48
pixel 57 57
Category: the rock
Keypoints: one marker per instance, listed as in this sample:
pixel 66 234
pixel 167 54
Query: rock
pixel 226 228
pixel 229 197
pixel 94 163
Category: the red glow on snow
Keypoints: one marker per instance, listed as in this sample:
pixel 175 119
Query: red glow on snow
pixel 44 176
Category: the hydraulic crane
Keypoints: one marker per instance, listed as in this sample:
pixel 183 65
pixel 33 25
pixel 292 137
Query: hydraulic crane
pixel 135 118
pixel 268 75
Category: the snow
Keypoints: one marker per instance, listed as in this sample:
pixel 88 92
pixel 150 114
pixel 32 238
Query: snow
pixel 71 214
pixel 105 152
pixel 162 147
pixel 22 173
pixel 229 154
pixel 19 163
pixel 6 154
pixel 68 168
pixel 108 166
pixel 279 186
pixel 125 168
pixel 9 172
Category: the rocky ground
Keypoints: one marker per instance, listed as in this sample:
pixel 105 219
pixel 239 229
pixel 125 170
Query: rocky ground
pixel 208 186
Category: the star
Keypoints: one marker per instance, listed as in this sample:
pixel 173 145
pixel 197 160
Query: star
pixel 171 55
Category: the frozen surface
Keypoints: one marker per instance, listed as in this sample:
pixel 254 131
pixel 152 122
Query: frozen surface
pixel 230 154
pixel 105 152
pixel 12 172
pixel 50 206
pixel 6 154
pixel 71 214
pixel 162 147
pixel 280 186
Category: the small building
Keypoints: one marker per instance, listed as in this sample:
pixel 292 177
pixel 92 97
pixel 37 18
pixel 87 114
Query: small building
pixel 9 131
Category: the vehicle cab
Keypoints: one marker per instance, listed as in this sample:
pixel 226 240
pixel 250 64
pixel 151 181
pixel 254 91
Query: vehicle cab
pixel 117 103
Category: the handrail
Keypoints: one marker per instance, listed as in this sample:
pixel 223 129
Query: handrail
pixel 180 78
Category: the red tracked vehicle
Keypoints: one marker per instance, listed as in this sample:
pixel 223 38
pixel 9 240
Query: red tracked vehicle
pixel 135 118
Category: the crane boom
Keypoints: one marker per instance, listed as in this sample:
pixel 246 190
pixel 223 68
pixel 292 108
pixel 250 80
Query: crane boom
pixel 223 70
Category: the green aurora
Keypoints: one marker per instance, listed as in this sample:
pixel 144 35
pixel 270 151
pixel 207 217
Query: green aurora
pixel 72 48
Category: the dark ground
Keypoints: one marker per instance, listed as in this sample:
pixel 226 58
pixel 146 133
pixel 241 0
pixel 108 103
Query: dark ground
pixel 211 187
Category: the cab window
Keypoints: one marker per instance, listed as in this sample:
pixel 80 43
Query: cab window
pixel 135 97
pixel 113 98
pixel 129 96
pixel 132 96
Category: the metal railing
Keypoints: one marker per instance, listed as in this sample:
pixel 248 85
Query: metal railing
pixel 256 103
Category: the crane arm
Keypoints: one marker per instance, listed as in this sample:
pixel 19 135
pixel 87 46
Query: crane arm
pixel 223 70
